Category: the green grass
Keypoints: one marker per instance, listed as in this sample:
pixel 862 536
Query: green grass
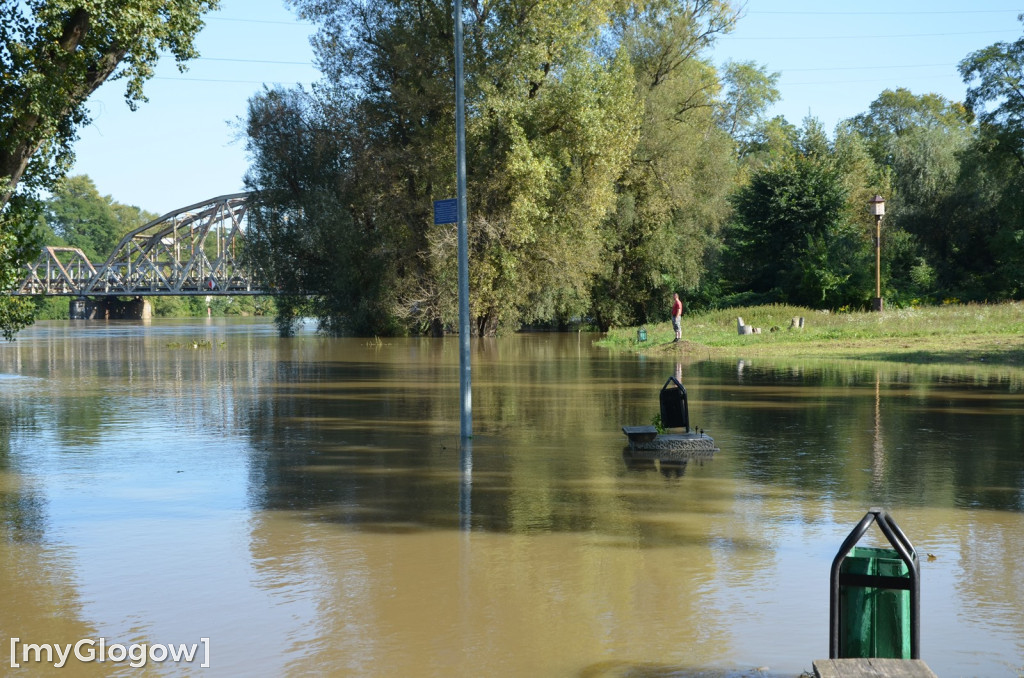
pixel 991 333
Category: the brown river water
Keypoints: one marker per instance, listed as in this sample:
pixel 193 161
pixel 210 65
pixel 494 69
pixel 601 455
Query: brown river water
pixel 303 506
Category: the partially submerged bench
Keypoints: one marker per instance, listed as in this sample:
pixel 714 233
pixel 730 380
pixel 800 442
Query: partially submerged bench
pixel 640 434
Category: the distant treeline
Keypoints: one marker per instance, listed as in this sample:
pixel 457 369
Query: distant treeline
pixel 610 163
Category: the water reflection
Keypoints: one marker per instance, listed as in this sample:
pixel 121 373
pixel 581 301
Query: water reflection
pixel 308 501
pixel 670 463
pixel 466 484
pixel 939 439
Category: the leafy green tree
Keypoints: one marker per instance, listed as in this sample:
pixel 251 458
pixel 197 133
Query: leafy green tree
pixel 53 55
pixel 303 229
pixel 51 308
pixel 388 89
pixel 986 210
pixel 900 112
pixel 17 245
pixel 127 217
pixel 671 202
pixel 766 140
pixel 671 198
pixel 796 236
pixel 917 141
pixel 984 252
pixel 553 136
pixel 995 79
pixel 551 122
pixel 80 217
pixel 749 89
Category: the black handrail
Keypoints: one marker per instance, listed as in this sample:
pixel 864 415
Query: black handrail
pixel 907 554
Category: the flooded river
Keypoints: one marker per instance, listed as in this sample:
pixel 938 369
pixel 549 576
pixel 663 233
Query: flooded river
pixel 303 506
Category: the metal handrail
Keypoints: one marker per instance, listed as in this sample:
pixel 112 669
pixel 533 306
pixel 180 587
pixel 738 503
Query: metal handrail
pixel 898 540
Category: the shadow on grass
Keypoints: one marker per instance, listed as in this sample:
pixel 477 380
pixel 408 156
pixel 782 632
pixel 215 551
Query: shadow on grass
pixel 1009 356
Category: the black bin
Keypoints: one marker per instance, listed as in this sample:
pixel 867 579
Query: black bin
pixel 675 412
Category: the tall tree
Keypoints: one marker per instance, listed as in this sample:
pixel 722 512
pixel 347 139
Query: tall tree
pixel 796 235
pixel 551 121
pixel 303 231
pixel 558 123
pixel 671 198
pixel 995 80
pixel 748 90
pixel 766 140
pixel 985 251
pixel 53 55
pixel 919 141
pixel 82 218
pixel 988 204
pixel 899 112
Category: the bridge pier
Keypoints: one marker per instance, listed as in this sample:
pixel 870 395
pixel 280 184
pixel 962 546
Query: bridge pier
pixel 110 308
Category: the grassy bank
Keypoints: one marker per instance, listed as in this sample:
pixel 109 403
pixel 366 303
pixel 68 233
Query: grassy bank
pixel 992 333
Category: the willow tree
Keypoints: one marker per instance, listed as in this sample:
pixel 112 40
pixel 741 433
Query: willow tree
pixel 304 231
pixel 551 121
pixel 53 55
pixel 558 121
pixel 671 198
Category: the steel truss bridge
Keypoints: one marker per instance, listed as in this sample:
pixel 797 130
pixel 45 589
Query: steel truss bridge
pixel 195 250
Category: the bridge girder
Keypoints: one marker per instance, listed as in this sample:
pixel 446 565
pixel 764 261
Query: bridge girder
pixel 195 250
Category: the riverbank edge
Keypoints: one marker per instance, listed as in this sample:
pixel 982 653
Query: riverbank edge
pixel 1005 350
pixel 958 335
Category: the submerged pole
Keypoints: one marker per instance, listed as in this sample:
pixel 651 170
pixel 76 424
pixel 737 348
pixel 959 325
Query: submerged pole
pixel 465 389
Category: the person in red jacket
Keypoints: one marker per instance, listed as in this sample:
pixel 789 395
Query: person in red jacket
pixel 677 316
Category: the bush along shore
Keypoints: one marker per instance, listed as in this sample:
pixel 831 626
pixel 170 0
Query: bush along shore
pixel 954 333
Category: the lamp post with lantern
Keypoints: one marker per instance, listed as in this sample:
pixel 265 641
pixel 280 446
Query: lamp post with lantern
pixel 877 207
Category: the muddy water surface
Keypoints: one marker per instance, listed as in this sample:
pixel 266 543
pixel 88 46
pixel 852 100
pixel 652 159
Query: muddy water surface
pixel 305 505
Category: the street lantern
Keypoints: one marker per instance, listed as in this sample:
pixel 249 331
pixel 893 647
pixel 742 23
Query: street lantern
pixel 877 208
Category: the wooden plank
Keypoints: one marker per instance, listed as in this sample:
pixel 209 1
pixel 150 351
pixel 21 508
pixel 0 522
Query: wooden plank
pixel 872 668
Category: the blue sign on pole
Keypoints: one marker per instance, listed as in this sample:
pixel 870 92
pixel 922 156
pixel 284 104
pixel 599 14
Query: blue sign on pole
pixel 446 211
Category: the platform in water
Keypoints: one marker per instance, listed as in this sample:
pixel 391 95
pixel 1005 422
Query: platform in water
pixel 648 438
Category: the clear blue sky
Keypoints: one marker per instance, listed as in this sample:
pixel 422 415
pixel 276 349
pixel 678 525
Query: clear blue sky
pixel 834 58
